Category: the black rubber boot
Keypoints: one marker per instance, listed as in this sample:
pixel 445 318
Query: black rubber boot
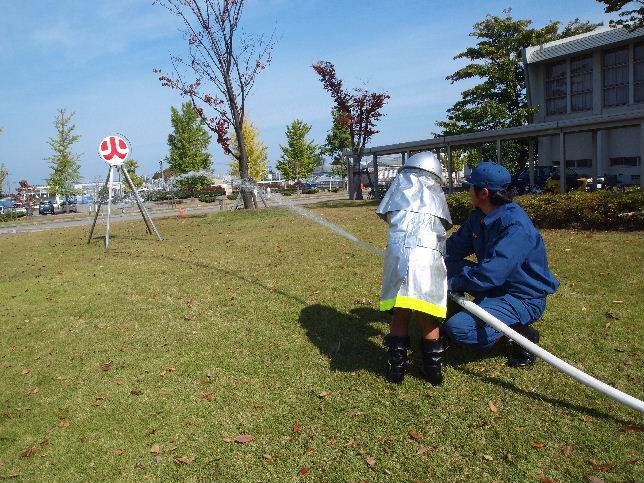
pixel 433 360
pixel 397 357
pixel 520 357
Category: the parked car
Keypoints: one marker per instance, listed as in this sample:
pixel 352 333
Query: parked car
pixel 73 207
pixel 521 182
pixel 46 208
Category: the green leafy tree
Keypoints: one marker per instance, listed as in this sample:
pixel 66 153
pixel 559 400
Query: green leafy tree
pixel 65 166
pixel 131 166
pixel 631 18
pixel 337 140
pixel 499 100
pixel 300 156
pixel 4 174
pixel 255 149
pixel 189 141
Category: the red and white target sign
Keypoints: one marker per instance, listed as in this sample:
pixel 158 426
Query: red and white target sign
pixel 114 150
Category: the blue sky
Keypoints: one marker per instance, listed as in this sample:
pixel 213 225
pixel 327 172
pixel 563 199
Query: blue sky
pixel 97 59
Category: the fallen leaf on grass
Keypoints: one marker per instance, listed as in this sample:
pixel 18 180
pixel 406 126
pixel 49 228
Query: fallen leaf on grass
pixel 595 479
pixel 494 406
pixel 415 436
pixel 370 461
pixel 423 450
pixel 63 423
pixel 297 428
pixel 600 466
pixel 633 428
pixel 184 460
pixel 155 449
pixel 29 452
pixel 136 392
pixel 141 465
pixel 631 462
pixel 150 431
pixel 487 457
pixel 537 445
pixel 324 394
pixel 586 418
pixel 228 440
pixel 386 472
pixel 171 369
pixel 509 457
pixel 1 463
pixel 119 452
pixel 208 396
pixel 33 390
pixel 259 406
pixel 25 372
pixel 106 366
pixel 351 444
pixel 567 450
pixel 267 457
pixel 244 438
pixel 304 471
pixel 163 373
pixel 308 450
pixel 547 479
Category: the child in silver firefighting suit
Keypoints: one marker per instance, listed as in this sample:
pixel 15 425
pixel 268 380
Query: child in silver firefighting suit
pixel 415 278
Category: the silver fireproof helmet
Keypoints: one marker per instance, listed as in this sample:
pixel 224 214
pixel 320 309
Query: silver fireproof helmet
pixel 427 161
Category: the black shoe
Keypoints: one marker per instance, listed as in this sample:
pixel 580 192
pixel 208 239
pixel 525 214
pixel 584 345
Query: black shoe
pixel 520 357
pixel 397 357
pixel 433 360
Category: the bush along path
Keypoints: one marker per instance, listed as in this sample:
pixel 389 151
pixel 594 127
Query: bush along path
pixel 599 210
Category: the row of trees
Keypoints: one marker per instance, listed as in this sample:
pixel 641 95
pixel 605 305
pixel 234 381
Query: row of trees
pixel 190 140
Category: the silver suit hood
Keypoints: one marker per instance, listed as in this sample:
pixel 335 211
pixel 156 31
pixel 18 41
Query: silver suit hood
pixel 412 190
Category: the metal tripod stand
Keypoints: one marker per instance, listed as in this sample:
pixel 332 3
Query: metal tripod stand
pixel 108 186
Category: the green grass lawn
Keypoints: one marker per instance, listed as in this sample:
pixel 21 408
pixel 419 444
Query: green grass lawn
pixel 247 346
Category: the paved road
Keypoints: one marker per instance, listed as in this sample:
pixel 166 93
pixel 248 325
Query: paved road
pixel 162 212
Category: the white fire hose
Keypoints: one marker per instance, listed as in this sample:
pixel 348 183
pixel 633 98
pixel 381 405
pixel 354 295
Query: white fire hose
pixel 547 356
pixel 495 323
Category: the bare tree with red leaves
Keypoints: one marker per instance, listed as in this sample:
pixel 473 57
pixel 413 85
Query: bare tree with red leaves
pixel 220 70
pixel 360 111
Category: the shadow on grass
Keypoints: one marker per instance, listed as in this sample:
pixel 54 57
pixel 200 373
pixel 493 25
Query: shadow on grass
pixel 229 273
pixel 345 337
pixel 541 397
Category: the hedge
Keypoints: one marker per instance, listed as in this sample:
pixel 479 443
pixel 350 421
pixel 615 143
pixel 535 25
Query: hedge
pixel 598 210
pixel 11 215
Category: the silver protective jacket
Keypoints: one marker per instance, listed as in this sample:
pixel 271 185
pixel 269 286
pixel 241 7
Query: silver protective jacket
pixel 414 272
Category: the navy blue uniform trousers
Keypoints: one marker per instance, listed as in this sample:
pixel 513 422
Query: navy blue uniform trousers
pixel 465 328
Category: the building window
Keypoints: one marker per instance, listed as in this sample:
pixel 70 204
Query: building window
pixel 581 83
pixel 638 72
pixel 579 163
pixel 555 88
pixel 616 77
pixel 625 161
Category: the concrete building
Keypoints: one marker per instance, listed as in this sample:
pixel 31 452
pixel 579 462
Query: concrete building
pixel 597 75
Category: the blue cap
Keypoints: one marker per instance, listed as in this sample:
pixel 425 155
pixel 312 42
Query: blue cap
pixel 489 175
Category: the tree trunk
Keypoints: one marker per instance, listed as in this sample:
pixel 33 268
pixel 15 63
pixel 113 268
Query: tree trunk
pixel 244 191
pixel 357 178
pixel 350 178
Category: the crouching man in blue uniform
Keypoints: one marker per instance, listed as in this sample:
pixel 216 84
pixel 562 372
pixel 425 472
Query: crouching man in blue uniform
pixel 510 279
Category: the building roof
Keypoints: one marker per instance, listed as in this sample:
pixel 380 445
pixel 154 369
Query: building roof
pixel 577 44
pixel 631 118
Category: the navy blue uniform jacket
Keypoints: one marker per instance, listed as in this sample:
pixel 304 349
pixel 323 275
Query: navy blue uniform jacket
pixel 511 256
